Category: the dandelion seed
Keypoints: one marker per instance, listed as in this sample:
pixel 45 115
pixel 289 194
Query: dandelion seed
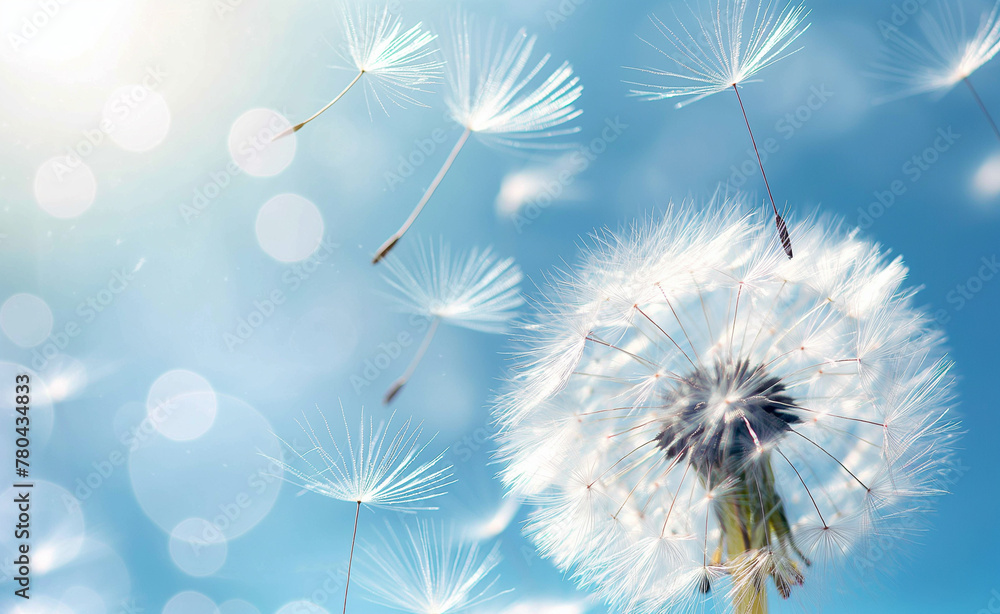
pixel 696 414
pixel 722 50
pixel 474 290
pixel 398 64
pixel 377 470
pixel 497 93
pixel 945 56
pixel 429 571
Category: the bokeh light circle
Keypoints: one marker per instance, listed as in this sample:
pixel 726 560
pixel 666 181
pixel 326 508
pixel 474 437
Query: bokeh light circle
pixel 301 607
pixel 237 606
pixel 65 187
pixel 289 228
pixel 136 118
pixel 57 526
pixel 197 547
pixel 252 143
pixel 986 181
pixel 223 476
pixel 26 320
pixel 181 405
pixel 190 602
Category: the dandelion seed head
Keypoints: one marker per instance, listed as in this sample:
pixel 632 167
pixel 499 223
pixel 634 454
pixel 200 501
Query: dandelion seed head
pixel 719 46
pixel 497 89
pixel 727 419
pixel 943 54
pixel 428 570
pixel 399 64
pixel 380 468
pixel 475 290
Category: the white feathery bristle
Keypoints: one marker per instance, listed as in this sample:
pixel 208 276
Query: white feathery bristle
pixel 497 91
pixel 398 64
pixel 943 55
pixel 474 290
pixel 379 469
pixel 429 570
pixel 720 47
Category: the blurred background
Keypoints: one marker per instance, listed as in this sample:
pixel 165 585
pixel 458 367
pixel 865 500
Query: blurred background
pixel 146 255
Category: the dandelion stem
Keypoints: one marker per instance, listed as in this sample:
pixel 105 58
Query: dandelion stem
pixel 982 106
pixel 298 127
pixel 786 241
pixel 391 242
pixel 397 385
pixel 350 560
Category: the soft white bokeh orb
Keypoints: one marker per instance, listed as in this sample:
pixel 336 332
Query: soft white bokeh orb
pixel 223 476
pixel 65 187
pixel 252 145
pixel 85 600
pixel 289 228
pixel 190 602
pixel 96 576
pixel 40 408
pixel 197 547
pixel 26 320
pixel 237 606
pixel 986 181
pixel 137 118
pixel 64 377
pixel 181 405
pixel 57 526
pixel 301 607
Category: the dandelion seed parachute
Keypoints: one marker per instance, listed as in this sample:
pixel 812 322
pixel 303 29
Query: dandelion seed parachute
pixel 945 56
pixel 380 469
pixel 474 290
pixel 694 412
pixel 497 93
pixel 721 50
pixel 429 570
pixel 398 64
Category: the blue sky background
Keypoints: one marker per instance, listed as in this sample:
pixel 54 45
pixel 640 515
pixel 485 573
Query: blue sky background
pixel 193 278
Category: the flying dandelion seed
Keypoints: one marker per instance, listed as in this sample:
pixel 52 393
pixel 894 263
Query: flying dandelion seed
pixel 398 64
pixel 497 93
pixel 474 290
pixel 429 571
pixel 721 50
pixel 377 470
pixel 694 411
pixel 945 56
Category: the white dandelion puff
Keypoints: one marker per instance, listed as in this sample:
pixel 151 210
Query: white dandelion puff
pixel 398 64
pixel 696 414
pixel 430 570
pixel 475 290
pixel 944 55
pixel 722 49
pixel 499 93
pixel 380 469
